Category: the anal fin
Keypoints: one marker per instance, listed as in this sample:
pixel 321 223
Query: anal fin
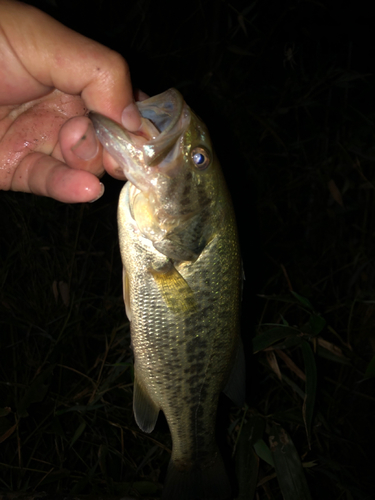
pixel 145 410
pixel 126 294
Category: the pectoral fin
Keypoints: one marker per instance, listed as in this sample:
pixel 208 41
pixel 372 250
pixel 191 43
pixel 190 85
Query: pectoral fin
pixel 235 387
pixel 145 410
pixel 174 289
pixel 126 294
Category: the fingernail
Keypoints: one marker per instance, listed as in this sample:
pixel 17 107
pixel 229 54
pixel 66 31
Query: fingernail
pixel 87 146
pixel 141 96
pixel 100 194
pixel 131 118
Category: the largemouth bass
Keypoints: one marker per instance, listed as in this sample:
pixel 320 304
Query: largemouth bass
pixel 182 281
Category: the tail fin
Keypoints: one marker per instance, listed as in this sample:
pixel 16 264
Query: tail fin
pixel 198 483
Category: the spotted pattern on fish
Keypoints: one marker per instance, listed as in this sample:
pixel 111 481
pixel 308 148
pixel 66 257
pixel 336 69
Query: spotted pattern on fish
pixel 184 343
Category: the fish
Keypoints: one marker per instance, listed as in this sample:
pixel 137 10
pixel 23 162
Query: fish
pixel 182 279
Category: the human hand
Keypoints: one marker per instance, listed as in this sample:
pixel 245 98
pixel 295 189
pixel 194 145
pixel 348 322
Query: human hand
pixel 49 77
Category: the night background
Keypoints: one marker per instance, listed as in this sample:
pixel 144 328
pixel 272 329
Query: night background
pixel 287 92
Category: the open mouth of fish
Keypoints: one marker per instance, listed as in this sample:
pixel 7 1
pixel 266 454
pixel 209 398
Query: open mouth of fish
pixel 156 148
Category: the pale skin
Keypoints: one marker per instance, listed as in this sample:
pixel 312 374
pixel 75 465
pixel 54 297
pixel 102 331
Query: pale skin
pixel 49 77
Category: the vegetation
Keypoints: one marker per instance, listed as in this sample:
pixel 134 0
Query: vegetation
pixel 293 124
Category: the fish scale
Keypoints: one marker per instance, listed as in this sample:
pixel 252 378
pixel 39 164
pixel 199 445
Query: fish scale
pixel 182 284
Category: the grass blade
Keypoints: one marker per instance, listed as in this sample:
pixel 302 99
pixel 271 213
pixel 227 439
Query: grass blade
pixel 266 339
pixel 310 392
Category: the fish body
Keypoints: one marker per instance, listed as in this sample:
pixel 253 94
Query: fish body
pixel 182 281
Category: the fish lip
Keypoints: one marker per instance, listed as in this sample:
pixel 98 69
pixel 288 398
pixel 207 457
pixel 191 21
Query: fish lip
pixel 171 101
pixel 169 113
pixel 140 156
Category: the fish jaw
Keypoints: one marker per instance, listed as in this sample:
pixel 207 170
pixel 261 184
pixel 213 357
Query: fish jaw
pixel 155 148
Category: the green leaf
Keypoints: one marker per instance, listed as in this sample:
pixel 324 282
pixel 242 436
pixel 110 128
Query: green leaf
pixel 310 391
pixel 316 324
pixel 289 470
pixel 252 429
pixel 305 302
pixel 291 416
pixel 78 433
pixel 266 339
pixel 247 466
pixel 325 353
pixel 294 386
pixel 288 343
pixel 263 451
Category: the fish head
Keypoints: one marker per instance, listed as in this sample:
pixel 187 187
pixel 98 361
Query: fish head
pixel 174 174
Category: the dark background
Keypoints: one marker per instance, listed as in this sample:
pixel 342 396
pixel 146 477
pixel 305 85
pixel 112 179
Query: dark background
pixel 287 92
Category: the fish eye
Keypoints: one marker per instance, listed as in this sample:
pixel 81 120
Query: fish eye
pixel 201 158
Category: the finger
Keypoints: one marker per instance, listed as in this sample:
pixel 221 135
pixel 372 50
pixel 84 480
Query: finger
pixel 112 167
pixel 46 176
pixel 58 57
pixel 82 150
pixel 80 147
pixel 140 95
